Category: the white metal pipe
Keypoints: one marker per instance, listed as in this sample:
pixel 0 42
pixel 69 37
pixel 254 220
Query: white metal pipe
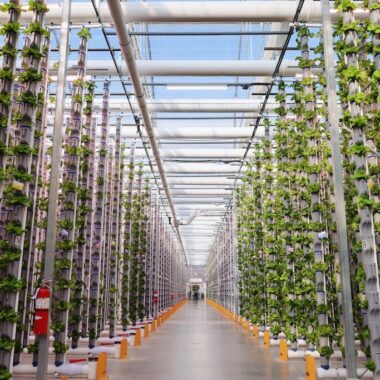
pixel 202 153
pixel 195 168
pixel 191 11
pixel 200 199
pixel 205 208
pixel 207 105
pixel 206 132
pixel 128 53
pixel 197 223
pixel 200 181
pixel 199 68
pixel 200 229
pixel 200 192
pixel 220 68
pixel 195 132
pixel 183 105
pixel 166 153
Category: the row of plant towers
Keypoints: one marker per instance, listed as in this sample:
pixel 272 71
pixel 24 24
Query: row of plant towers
pixel 288 262
pixel 114 247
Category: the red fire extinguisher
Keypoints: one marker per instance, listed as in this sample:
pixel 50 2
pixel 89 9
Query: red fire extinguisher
pixel 41 310
pixel 155 296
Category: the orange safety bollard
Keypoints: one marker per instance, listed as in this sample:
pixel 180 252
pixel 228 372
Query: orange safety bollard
pixel 159 321
pixel 311 369
pixel 101 368
pixel 247 326
pixel 138 337
pixel 283 350
pixel 153 328
pixel 124 349
pixel 64 378
pixel 266 338
pixel 255 331
pixel 146 331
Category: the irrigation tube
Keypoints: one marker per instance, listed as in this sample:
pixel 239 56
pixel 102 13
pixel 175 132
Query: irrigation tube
pixel 128 53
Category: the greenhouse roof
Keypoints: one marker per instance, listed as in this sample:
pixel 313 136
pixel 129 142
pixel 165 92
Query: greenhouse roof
pixel 209 72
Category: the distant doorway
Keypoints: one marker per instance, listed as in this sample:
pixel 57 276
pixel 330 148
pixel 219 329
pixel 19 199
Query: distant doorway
pixel 195 292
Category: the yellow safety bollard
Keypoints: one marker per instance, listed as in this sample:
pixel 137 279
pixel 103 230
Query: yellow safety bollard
pixel 101 368
pixel 255 331
pixel 311 369
pixel 247 326
pixel 138 337
pixel 146 331
pixel 124 349
pixel 266 338
pixel 283 349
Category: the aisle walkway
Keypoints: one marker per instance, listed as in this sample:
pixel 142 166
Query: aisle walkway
pixel 198 343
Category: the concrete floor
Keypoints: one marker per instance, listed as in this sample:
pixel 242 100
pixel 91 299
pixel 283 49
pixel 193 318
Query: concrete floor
pixel 199 343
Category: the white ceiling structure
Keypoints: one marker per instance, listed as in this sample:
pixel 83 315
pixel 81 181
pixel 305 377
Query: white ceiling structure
pixel 198 74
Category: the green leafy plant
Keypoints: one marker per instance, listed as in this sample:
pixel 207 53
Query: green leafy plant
pixel 37 6
pixel 6 74
pixel 59 347
pixel 10 6
pixel 11 284
pixel 8 314
pixel 5 98
pixel 14 227
pixel 326 351
pixel 28 98
pixel 10 27
pixel 84 33
pixel 36 27
pixel 8 257
pixel 58 326
pixel 370 365
pixel 30 75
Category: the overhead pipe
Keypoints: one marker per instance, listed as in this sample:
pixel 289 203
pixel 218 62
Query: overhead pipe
pixel 128 54
pixel 196 132
pixel 198 68
pixel 201 192
pixel 200 181
pixel 198 168
pixel 185 132
pixel 205 208
pixel 186 12
pixel 212 154
pixel 202 153
pixel 200 199
pixel 183 105
pixel 209 132
pixel 182 132
pixel 207 105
